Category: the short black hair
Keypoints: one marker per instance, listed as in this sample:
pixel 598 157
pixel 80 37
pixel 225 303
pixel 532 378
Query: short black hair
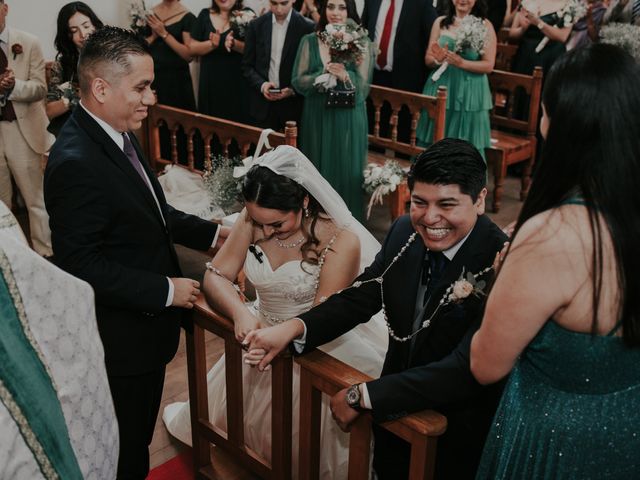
pixel 451 161
pixel 108 45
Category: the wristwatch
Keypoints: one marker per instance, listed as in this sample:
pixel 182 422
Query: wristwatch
pixel 353 396
pixel 541 25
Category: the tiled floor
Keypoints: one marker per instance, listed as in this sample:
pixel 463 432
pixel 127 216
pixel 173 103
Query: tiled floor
pixel 164 446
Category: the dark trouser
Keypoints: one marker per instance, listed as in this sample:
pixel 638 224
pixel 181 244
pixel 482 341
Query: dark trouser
pixel 383 78
pixel 136 400
pixel 280 112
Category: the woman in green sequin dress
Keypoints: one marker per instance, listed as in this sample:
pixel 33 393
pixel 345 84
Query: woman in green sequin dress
pixel 468 94
pixel 564 308
pixel 334 139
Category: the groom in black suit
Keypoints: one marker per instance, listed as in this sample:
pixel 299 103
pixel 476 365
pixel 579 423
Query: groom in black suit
pixel 270 50
pixel 112 227
pixel 426 367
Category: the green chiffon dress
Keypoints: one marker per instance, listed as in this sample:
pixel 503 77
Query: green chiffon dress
pixel 468 103
pixel 571 409
pixel 334 139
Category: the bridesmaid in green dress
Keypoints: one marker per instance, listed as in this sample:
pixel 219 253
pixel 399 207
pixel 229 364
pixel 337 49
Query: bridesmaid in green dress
pixel 334 139
pixel 564 308
pixel 468 94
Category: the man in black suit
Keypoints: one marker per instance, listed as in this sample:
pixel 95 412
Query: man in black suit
pixel 427 363
pixel 112 227
pixel 270 50
pixel 401 30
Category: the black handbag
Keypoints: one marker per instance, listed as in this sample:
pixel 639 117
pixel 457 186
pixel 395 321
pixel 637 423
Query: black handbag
pixel 341 97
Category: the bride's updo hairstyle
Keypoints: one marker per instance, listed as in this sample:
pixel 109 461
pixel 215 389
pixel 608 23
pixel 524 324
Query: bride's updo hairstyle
pixel 267 189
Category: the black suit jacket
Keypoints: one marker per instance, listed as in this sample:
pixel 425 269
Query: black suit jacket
pixel 412 37
pixel 107 230
pixel 257 56
pixel 435 372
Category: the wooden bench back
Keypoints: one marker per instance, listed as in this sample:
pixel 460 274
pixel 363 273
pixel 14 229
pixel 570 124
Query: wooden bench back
pixel 506 87
pixel 415 102
pixel 504 56
pixel 321 373
pixel 211 129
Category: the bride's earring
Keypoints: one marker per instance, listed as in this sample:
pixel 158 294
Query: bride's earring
pixel 306 212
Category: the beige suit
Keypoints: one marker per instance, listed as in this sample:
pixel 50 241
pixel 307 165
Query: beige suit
pixel 22 142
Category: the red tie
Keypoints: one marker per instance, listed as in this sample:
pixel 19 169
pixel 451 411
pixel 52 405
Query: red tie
pixel 6 113
pixel 386 36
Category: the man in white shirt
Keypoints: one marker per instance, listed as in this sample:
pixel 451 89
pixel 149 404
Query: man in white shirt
pixel 270 51
pixel 23 122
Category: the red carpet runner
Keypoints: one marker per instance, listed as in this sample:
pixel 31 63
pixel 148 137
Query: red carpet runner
pixel 179 467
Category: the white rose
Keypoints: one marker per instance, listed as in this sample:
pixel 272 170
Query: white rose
pixel 395 179
pixel 347 37
pixel 376 172
pixel 462 289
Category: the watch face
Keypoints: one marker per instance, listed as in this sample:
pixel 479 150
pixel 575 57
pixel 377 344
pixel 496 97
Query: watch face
pixel 353 395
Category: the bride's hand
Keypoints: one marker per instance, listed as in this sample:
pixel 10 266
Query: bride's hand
pixel 245 324
pixel 273 340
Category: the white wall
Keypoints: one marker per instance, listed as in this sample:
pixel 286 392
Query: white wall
pixel 39 16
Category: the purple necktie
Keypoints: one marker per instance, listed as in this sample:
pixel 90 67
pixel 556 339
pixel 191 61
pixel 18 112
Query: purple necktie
pixel 131 154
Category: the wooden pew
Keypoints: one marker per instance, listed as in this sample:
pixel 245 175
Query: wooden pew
pixel 415 102
pixel 224 131
pixel 504 56
pixel 513 136
pixel 321 373
pixel 204 433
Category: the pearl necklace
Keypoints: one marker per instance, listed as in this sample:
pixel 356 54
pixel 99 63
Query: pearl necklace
pixel 446 299
pixel 295 244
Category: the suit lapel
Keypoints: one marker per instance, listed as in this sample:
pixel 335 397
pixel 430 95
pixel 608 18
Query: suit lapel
pixel 288 38
pixel 373 18
pixel 268 28
pixel 469 258
pixel 404 14
pixel 118 157
pixel 407 277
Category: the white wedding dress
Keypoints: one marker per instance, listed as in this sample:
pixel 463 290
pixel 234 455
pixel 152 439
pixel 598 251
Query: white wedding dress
pixel 282 294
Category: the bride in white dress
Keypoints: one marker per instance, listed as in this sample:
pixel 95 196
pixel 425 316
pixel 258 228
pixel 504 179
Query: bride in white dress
pixel 298 244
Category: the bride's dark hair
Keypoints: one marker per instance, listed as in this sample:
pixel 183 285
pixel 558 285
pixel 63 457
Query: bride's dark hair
pixel 270 190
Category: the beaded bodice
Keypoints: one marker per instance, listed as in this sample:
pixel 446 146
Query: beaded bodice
pixel 285 292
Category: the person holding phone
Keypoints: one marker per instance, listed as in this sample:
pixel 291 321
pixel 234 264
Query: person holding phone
pixel 270 50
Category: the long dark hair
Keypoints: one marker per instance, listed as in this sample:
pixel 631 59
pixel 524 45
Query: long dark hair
pixel 67 52
pixel 236 6
pixel 593 148
pixel 270 190
pixel 479 10
pixel 352 13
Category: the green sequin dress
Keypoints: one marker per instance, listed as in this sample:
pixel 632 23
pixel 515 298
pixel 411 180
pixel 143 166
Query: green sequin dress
pixel 334 139
pixel 571 409
pixel 468 103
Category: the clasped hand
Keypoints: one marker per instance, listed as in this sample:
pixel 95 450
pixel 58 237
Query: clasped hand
pixel 156 25
pixel 337 69
pixel 264 345
pixel 7 81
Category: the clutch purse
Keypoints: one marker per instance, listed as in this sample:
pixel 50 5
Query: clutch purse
pixel 341 97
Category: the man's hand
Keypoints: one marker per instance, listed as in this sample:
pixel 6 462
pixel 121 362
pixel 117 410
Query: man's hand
pixel 185 292
pixel 272 340
pixel 341 412
pixel 265 92
pixel 7 81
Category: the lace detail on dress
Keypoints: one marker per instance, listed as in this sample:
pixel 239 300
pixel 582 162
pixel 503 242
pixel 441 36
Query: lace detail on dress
pixel 289 290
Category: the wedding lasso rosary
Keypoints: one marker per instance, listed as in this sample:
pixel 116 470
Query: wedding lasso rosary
pixel 457 291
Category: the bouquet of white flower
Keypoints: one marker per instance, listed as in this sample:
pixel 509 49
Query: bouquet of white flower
pixel 138 14
pixel 240 20
pixel 223 189
pixel 469 36
pixel 380 181
pixel 573 11
pixel 70 92
pixel 347 43
pixel 623 35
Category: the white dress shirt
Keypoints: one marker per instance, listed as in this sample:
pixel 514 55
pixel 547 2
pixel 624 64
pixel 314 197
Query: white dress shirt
pixel 278 34
pixel 382 15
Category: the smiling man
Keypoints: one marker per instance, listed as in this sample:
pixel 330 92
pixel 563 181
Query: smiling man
pixel 112 227
pixel 427 364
